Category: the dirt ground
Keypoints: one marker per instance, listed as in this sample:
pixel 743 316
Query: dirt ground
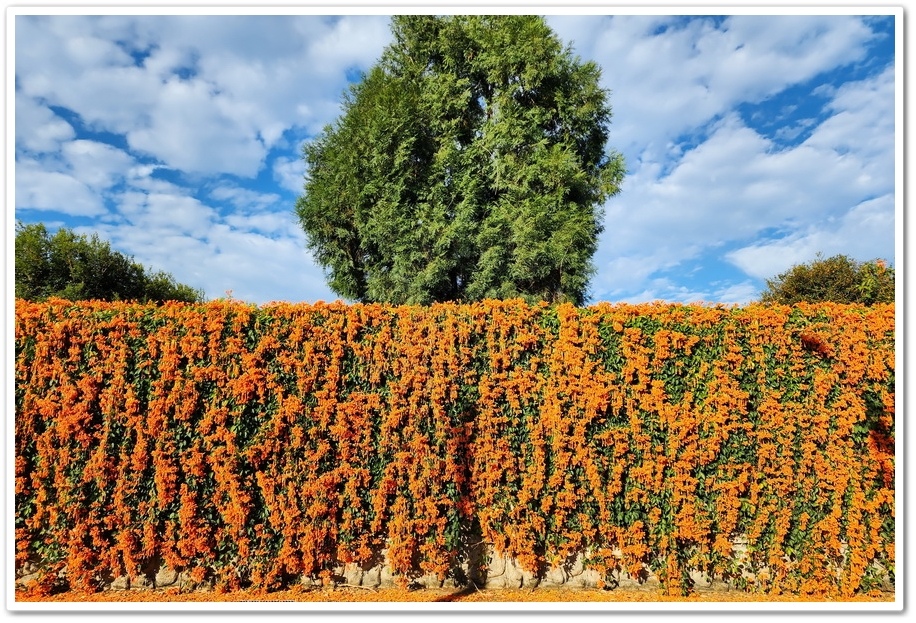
pixel 357 594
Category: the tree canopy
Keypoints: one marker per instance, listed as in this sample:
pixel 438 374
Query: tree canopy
pixel 470 162
pixel 838 279
pixel 77 267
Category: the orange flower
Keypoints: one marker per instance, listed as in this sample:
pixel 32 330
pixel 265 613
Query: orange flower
pixel 302 436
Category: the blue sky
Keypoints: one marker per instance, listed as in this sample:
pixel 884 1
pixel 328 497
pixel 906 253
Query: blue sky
pixel 752 142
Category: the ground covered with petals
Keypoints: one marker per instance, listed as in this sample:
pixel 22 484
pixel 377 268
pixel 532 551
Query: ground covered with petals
pixel 344 594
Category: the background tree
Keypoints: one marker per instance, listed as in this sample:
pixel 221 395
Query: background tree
pixel 75 267
pixel 469 163
pixel 839 279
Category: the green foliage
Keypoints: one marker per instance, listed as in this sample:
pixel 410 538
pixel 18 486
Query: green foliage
pixel 837 279
pixel 161 286
pixel 469 163
pixel 76 267
pixel 260 445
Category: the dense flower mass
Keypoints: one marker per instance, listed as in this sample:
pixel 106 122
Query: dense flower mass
pixel 249 445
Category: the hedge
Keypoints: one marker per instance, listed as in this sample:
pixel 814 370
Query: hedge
pixel 250 446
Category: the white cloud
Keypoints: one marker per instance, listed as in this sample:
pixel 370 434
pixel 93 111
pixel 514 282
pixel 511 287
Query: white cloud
pixel 258 258
pixel 78 178
pixel 625 273
pixel 761 55
pixel 141 179
pixel 680 199
pixel 863 123
pixel 290 174
pixel 98 165
pixel 351 41
pixel 258 254
pixel 91 51
pixel 267 223
pixel 38 188
pixel 67 40
pixel 243 198
pixel 189 130
pixel 863 233
pixel 665 85
pixel 98 82
pixel 38 129
pixel 168 214
pixel 113 99
pixel 259 268
pixel 666 289
pixel 736 294
pixel 213 95
pixel 257 212
pixel 736 184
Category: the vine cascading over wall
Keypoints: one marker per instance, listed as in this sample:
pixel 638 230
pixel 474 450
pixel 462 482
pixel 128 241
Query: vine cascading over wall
pixel 250 446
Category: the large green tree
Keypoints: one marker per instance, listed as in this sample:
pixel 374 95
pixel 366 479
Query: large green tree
pixel 838 279
pixel 470 162
pixel 76 267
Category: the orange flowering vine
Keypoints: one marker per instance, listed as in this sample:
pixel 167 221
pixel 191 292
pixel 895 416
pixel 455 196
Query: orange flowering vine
pixel 251 446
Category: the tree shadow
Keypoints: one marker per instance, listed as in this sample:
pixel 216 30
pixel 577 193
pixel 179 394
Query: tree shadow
pixel 470 589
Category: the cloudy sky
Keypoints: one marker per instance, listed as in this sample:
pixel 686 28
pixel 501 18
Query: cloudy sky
pixel 752 142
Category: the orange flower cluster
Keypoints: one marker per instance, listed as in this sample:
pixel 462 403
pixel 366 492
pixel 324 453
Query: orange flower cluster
pixel 249 446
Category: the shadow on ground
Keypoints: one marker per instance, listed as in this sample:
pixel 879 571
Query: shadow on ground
pixel 457 595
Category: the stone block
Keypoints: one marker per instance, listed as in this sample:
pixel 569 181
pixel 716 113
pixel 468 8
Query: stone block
pixel 700 579
pixel 352 574
pixel 166 576
pixel 429 580
pixel 27 569
pixel 372 577
pixel 309 582
pixel 515 577
pixel 529 579
pixel 577 567
pixel 386 577
pixel 589 578
pixel 497 567
pixel 555 577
